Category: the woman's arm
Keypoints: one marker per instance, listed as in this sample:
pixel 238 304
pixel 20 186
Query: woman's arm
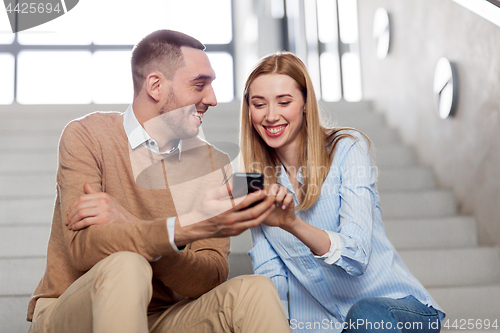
pixel 358 192
pixel 284 217
pixel 350 248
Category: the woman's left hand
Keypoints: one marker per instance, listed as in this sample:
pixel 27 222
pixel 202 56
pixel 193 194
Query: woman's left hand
pixel 283 215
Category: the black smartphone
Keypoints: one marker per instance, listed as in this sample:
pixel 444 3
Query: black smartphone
pixel 246 183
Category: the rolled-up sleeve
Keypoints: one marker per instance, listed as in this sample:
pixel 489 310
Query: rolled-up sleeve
pixel 357 191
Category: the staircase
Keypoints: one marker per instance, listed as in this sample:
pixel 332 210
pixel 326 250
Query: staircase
pixel 438 246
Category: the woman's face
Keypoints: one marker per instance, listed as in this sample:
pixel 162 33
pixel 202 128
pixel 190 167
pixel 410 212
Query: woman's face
pixel 276 109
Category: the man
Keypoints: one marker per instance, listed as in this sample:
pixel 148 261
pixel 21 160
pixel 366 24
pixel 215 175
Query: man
pixel 113 260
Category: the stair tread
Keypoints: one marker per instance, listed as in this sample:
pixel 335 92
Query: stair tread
pixel 34 239
pixel 418 203
pixel 406 178
pixel 20 276
pixel 13 310
pixel 447 232
pixel 445 267
pixel 476 302
pixel 419 218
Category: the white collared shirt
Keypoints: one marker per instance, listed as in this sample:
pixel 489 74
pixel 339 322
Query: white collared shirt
pixel 137 136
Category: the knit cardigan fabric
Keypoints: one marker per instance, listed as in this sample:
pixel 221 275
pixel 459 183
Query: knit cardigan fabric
pixel 95 149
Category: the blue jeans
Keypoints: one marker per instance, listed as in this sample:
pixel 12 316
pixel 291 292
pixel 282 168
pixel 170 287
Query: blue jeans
pixel 382 314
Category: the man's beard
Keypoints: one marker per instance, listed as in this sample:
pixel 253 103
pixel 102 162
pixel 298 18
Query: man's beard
pixel 177 117
pixel 172 102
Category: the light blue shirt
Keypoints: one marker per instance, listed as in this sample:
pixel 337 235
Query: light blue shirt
pixel 315 291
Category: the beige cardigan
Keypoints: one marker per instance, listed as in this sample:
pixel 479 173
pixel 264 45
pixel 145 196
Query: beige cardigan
pixel 95 149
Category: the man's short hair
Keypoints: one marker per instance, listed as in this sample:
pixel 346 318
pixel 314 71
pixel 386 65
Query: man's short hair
pixel 160 51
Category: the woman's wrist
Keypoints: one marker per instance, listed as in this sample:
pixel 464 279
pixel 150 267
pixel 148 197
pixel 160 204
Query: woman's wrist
pixel 294 226
pixel 317 240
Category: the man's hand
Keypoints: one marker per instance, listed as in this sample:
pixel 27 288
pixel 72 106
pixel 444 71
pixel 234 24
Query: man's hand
pixel 215 217
pixel 96 208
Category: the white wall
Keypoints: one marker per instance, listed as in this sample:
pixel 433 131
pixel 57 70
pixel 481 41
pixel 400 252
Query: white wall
pixel 465 150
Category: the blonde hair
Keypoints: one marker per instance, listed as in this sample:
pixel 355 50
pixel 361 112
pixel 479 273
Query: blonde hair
pixel 318 142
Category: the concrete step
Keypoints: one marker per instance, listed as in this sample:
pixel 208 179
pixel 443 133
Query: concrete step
pixel 13 311
pixel 417 204
pixel 475 302
pixel 454 267
pixel 394 156
pixel 30 124
pixel 343 107
pixel 20 276
pixel 24 240
pixel 31 142
pixel 27 185
pixel 406 178
pixel 241 243
pixel 239 264
pixel 384 137
pixel 32 161
pixel 365 121
pixel 437 233
pixel 17 211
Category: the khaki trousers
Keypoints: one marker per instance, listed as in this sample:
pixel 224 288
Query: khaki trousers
pixel 114 295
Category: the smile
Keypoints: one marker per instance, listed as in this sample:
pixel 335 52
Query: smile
pixel 198 116
pixel 275 131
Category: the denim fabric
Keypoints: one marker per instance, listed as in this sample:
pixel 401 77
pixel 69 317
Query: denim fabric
pixel 318 294
pixel 382 314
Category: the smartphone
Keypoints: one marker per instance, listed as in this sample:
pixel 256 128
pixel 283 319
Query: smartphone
pixel 246 183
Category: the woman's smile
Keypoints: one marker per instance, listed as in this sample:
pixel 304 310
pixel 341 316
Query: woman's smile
pixel 275 131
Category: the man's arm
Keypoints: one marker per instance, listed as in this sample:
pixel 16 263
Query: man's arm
pixel 179 271
pixel 80 162
pixel 199 268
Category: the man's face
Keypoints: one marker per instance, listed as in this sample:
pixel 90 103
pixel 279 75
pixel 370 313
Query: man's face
pixel 191 85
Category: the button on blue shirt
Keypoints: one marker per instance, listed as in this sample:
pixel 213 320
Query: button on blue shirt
pixel 313 291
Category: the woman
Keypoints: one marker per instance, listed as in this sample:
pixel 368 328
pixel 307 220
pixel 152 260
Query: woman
pixel 325 248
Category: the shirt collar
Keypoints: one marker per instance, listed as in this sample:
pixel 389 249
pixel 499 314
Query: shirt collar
pixel 285 181
pixel 138 136
pixel 135 132
pixel 284 174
